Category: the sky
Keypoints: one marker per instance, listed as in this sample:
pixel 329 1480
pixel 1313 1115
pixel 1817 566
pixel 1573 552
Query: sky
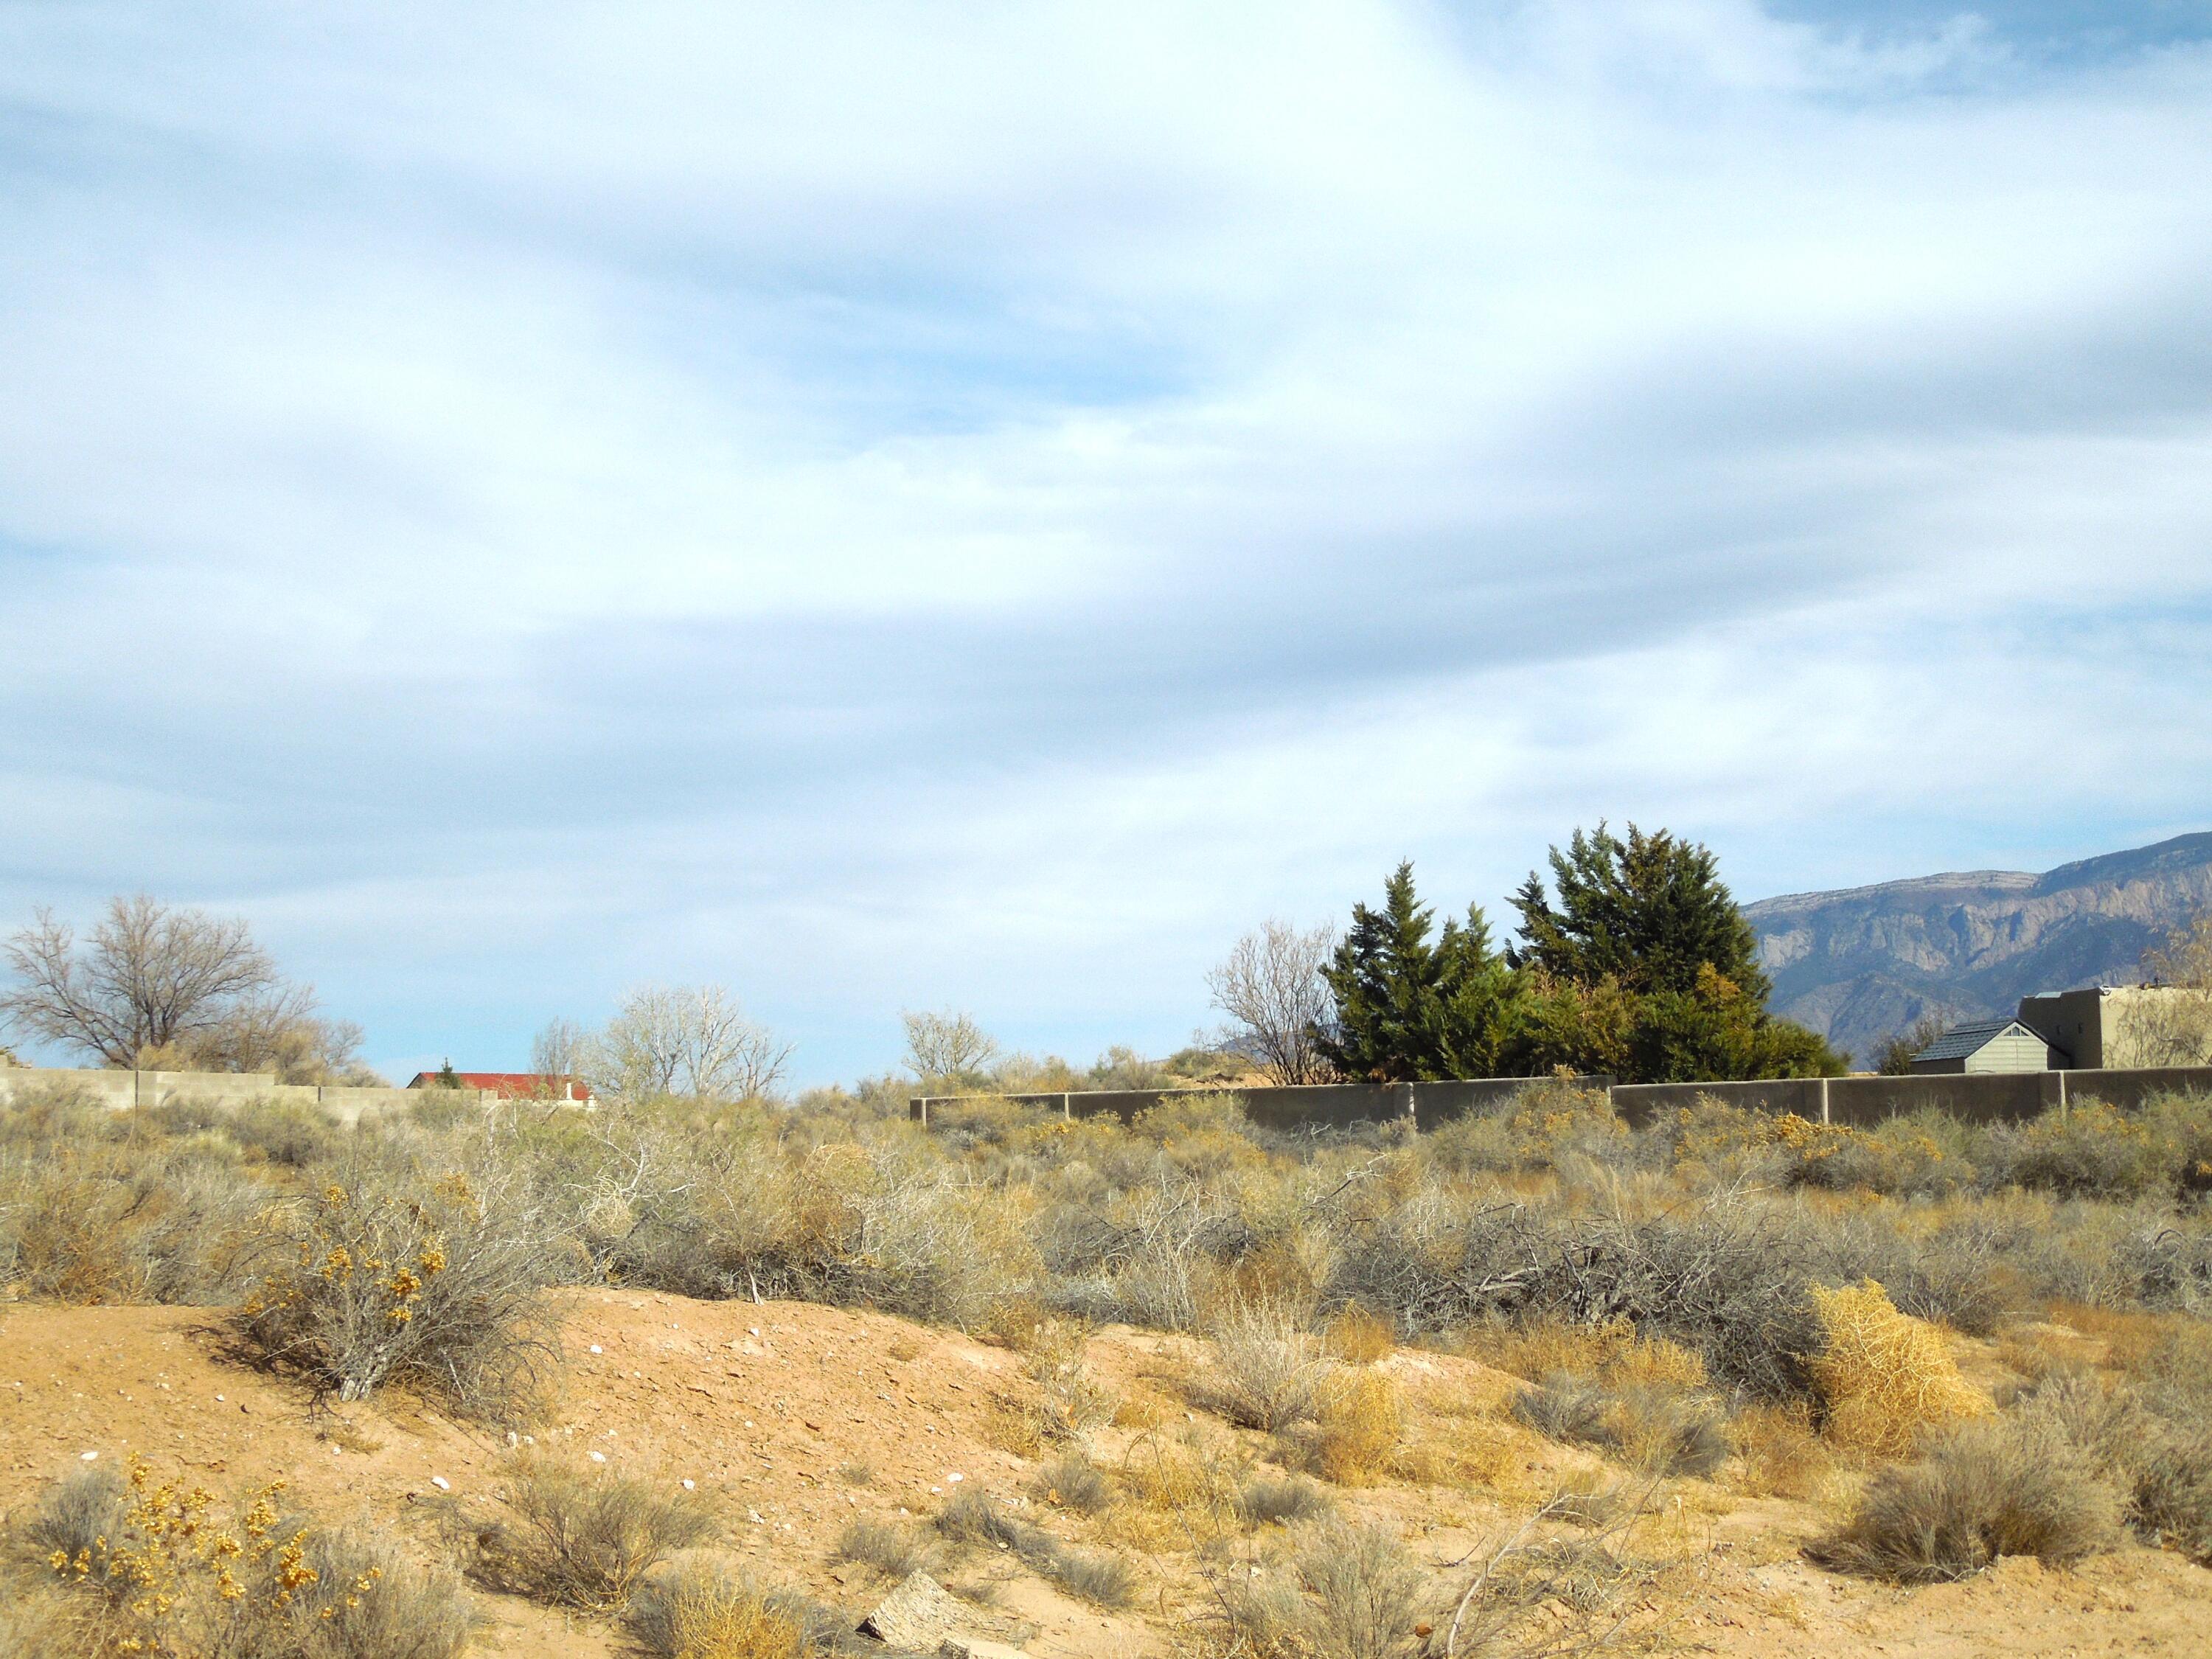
pixel 972 506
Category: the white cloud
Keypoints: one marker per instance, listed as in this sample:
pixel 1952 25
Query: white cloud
pixel 898 504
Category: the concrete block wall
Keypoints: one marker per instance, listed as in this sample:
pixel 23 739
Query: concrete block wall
pixel 122 1091
pixel 1984 1098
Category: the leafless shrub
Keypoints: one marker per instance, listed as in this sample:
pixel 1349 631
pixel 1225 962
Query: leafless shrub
pixel 1268 1372
pixel 436 1285
pixel 1264 1499
pixel 1072 1481
pixel 971 1517
pixel 581 1537
pixel 1990 1490
pixel 895 1551
pixel 1367 1592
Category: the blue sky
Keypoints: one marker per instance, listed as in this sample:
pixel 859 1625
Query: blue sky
pixel 892 506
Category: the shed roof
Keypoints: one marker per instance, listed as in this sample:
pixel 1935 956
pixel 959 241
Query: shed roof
pixel 1974 1036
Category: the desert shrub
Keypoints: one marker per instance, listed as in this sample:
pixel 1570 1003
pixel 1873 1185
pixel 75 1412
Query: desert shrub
pixel 365 1602
pixel 436 1285
pixel 1357 1336
pixel 1069 1401
pixel 158 1567
pixel 581 1537
pixel 1268 1372
pixel 1104 1580
pixel 1072 1481
pixel 971 1517
pixel 285 1132
pixel 1265 1499
pixel 1782 1451
pixel 895 1551
pixel 1884 1379
pixel 2087 1150
pixel 1614 1352
pixel 1366 1590
pixel 109 1221
pixel 1991 1489
pixel 1663 1430
pixel 1359 1428
pixel 2158 1451
pixel 1260 1615
pixel 1533 1129
pixel 699 1609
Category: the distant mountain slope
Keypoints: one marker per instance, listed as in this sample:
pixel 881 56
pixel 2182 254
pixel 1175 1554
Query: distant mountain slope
pixel 1860 965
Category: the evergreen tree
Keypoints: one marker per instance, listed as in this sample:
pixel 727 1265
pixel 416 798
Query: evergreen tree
pixel 1649 912
pixel 1647 969
pixel 1408 1009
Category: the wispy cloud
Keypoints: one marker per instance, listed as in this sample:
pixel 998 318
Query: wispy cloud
pixel 906 504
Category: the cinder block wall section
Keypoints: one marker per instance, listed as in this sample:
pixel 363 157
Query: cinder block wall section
pixel 1984 1098
pixel 121 1091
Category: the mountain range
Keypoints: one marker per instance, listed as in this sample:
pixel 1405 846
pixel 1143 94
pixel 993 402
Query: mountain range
pixel 1862 964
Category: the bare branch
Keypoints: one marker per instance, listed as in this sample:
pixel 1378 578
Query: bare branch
pixel 1270 985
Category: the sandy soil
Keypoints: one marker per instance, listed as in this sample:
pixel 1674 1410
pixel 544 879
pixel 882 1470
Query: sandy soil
pixel 800 1418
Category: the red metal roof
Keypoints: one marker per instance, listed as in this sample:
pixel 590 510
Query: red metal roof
pixel 507 1085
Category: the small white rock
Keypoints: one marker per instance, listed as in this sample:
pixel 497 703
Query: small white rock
pixel 598 1457
pixel 596 1348
pixel 87 1457
pixel 691 1485
pixel 441 1483
pixel 955 1479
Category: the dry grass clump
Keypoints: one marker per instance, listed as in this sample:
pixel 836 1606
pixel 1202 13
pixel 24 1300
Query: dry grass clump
pixel 1358 1433
pixel 1884 1379
pixel 893 1551
pixel 1992 1489
pixel 1268 1372
pixel 1072 1482
pixel 1264 1500
pixel 139 1564
pixel 1357 1337
pixel 436 1285
pixel 700 1609
pixel 1614 1351
pixel 1782 1452
pixel 971 1517
pixel 581 1537
pixel 1657 1429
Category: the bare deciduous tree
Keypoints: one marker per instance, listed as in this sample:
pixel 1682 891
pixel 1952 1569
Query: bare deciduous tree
pixel 684 1040
pixel 560 1052
pixel 2175 1028
pixel 151 977
pixel 946 1049
pixel 1270 985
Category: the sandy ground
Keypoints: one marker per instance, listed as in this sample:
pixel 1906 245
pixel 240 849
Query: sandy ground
pixel 799 1418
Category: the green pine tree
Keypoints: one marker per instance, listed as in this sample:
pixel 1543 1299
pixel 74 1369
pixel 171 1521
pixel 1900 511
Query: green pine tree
pixel 1649 912
pixel 1408 1009
pixel 1645 963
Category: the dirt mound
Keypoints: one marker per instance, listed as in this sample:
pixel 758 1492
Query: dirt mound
pixel 802 1418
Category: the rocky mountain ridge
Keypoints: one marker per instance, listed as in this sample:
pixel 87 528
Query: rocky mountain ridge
pixel 1862 964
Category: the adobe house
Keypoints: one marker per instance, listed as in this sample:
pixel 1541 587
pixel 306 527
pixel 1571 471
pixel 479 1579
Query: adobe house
pixel 2120 1026
pixel 1988 1045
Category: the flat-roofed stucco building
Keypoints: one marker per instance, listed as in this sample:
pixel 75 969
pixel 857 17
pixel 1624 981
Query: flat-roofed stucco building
pixel 2120 1026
